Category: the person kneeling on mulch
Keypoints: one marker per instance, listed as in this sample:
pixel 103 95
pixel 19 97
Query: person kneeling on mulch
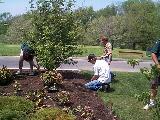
pixel 101 77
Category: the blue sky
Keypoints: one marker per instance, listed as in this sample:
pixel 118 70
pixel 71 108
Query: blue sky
pixel 16 7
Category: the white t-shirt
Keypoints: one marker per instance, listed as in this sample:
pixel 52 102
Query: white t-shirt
pixel 101 69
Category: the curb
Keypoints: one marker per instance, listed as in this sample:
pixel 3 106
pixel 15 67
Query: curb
pixel 85 58
pixel 27 68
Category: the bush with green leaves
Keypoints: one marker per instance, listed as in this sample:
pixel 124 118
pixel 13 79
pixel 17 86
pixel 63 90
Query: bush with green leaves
pixel 49 78
pixel 15 108
pixel 144 97
pixel 5 76
pixel 56 32
pixel 37 96
pixel 52 114
pixel 63 98
pixel 87 113
pixel 133 62
pixel 152 73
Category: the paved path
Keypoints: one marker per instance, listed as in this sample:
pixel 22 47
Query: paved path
pixel 118 65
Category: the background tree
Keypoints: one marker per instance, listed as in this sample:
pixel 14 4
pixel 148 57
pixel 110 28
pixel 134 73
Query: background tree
pixel 84 16
pixel 142 23
pixel 111 27
pixel 18 25
pixel 107 11
pixel 5 20
pixel 56 32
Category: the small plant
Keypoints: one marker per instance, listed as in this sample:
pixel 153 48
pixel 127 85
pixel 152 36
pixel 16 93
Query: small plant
pixel 37 96
pixel 133 62
pixel 17 89
pixel 157 110
pixel 49 78
pixel 144 97
pixel 5 76
pixel 86 112
pixel 152 73
pixel 63 98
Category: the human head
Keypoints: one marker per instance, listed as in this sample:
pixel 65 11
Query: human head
pixel 104 40
pixel 92 58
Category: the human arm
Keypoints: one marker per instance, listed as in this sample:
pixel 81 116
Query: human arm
pixel 107 50
pixel 94 77
pixel 96 73
pixel 155 59
pixel 154 54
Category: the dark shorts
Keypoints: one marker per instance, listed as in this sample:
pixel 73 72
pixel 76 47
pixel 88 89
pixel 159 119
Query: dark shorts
pixel 28 57
pixel 155 82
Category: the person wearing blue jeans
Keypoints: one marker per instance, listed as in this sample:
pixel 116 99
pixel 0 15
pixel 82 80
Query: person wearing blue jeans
pixel 101 73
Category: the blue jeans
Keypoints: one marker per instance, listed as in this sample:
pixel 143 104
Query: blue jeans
pixel 93 85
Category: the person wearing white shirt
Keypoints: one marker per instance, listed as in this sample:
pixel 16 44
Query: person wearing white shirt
pixel 101 73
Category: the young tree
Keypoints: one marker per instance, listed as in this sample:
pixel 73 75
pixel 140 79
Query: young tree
pixel 56 33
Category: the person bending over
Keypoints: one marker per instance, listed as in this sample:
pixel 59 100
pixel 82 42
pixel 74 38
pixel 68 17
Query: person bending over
pixel 27 54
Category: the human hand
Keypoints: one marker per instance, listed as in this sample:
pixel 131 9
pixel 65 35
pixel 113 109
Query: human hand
pixel 158 66
pixel 102 57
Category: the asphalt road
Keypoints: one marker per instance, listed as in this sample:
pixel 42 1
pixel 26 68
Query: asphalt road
pixel 118 65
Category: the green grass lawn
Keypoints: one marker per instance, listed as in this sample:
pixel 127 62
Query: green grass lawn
pixel 14 50
pixel 98 51
pixel 9 50
pixel 125 105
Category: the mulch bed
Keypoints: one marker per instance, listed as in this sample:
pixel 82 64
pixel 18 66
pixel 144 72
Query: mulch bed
pixel 74 84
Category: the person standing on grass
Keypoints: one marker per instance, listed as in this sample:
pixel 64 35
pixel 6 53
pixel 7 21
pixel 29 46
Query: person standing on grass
pixel 107 52
pixel 101 75
pixel 155 54
pixel 27 54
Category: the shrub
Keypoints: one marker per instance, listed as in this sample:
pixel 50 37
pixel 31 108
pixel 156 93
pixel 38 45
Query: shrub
pixel 37 96
pixel 144 97
pixel 56 32
pixel 5 76
pixel 15 108
pixel 63 98
pixel 152 73
pixel 133 62
pixel 86 112
pixel 52 114
pixel 51 77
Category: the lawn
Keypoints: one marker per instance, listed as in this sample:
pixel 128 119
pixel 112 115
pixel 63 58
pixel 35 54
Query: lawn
pixel 98 51
pixel 125 105
pixel 9 50
pixel 13 50
pixel 121 98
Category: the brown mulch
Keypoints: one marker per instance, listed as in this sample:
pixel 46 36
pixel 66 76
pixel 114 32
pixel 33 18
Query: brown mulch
pixel 74 84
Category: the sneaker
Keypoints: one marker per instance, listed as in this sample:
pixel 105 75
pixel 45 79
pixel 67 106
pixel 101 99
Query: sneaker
pixel 150 105
pixel 31 74
pixel 104 88
pixel 18 72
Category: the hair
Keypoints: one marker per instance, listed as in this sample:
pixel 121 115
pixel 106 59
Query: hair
pixel 91 56
pixel 103 38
